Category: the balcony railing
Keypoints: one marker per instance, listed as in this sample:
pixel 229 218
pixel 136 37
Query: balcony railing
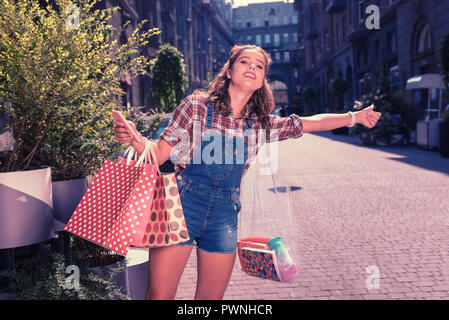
pixel 336 6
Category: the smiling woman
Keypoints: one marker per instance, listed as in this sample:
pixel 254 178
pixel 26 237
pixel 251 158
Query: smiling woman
pixel 238 101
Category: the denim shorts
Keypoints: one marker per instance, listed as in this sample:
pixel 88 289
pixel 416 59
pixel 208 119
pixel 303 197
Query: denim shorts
pixel 211 216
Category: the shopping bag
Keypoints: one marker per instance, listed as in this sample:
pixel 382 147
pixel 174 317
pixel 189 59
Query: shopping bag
pixel 166 224
pixel 113 208
pixel 267 212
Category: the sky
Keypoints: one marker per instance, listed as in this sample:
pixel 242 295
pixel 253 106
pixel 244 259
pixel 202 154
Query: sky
pixel 239 3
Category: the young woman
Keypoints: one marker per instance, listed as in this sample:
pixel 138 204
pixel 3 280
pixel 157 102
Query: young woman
pixel 238 100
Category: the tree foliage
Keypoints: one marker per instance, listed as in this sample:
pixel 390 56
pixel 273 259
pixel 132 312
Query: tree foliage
pixel 61 68
pixel 169 80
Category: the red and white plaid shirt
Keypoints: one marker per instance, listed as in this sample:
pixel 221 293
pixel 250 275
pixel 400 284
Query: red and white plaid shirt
pixel 189 122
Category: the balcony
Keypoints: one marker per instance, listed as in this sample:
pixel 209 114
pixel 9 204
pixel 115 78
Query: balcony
pixel 336 6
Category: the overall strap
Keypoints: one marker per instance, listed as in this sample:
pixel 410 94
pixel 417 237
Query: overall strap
pixel 249 123
pixel 210 110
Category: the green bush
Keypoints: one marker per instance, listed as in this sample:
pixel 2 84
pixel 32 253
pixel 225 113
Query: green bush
pixel 44 277
pixel 61 68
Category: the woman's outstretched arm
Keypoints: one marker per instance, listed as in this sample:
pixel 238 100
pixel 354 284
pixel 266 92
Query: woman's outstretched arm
pixel 329 121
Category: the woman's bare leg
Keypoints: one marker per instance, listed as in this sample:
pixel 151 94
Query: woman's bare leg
pixel 214 272
pixel 166 266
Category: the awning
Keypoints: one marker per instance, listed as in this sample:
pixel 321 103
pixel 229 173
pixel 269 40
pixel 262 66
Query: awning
pixel 425 81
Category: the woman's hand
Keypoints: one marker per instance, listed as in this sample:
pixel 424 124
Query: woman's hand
pixel 123 135
pixel 367 117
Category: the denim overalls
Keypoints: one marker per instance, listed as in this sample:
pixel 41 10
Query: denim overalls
pixel 210 191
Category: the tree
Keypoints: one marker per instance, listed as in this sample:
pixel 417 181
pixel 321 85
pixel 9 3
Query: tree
pixel 61 68
pixel 169 80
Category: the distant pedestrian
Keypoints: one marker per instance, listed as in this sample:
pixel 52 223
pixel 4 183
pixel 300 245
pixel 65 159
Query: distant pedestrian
pixel 283 112
pixel 239 99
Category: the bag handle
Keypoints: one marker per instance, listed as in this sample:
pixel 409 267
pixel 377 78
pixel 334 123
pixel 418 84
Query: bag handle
pixel 143 156
pixel 152 155
pixel 130 153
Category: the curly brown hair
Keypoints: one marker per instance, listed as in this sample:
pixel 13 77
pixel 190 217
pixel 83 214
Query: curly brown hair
pixel 261 102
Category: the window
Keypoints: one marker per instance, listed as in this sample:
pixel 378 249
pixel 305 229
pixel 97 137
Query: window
pixel 391 36
pixel 277 56
pixel 259 40
pixel 425 39
pixel 361 87
pixel 276 40
pixel 285 20
pixel 248 24
pixel 295 36
pixel 326 40
pixel 276 21
pixel 239 24
pixel 267 39
pixel 287 56
pixel 338 35
pixel 377 48
pixel 394 78
pixel 249 39
pixel 151 19
pixel 267 23
pixel 294 19
pixel 361 10
pixel 286 38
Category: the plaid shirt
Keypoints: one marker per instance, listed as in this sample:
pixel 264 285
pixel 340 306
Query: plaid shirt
pixel 189 122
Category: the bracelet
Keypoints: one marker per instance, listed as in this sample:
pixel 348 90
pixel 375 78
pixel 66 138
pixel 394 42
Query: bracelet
pixel 352 119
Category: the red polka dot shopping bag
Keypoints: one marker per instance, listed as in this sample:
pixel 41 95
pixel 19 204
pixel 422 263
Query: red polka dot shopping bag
pixel 114 211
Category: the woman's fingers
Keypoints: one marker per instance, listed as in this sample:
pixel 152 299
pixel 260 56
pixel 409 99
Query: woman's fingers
pixel 121 133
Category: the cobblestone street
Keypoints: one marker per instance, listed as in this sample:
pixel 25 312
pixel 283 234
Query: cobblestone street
pixel 355 209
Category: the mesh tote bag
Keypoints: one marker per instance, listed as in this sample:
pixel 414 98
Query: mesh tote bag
pixel 267 229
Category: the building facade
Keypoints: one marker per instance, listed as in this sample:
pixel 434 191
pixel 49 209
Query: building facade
pixel 336 41
pixel 199 29
pixel 273 26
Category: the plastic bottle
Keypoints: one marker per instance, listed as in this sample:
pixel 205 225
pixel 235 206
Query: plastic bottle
pixel 287 267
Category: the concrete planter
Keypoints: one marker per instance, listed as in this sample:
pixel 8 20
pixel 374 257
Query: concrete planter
pixel 26 208
pixel 66 196
pixel 134 278
pixel 7 296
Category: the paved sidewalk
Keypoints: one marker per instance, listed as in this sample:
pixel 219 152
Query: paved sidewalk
pixel 355 209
